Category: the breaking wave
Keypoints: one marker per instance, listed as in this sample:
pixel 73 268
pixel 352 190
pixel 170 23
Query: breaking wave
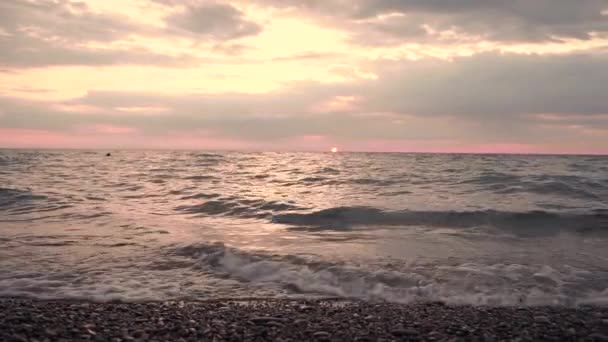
pixel 469 283
pixel 212 270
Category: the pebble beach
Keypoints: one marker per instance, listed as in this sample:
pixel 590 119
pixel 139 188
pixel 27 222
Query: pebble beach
pixel 293 320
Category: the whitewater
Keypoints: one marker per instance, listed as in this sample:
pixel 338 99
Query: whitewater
pixel 403 228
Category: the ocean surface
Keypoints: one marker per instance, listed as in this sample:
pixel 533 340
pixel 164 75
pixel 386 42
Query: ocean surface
pixel 147 225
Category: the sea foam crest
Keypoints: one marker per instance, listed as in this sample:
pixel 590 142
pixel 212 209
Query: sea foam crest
pixel 469 283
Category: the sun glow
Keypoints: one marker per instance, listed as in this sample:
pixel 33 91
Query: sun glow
pixel 334 150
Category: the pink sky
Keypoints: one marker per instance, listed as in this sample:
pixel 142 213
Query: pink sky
pixel 111 137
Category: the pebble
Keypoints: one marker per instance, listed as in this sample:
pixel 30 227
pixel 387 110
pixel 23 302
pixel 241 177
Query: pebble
pixel 50 332
pixel 597 337
pixel 321 335
pixel 404 332
pixel 305 308
pixel 542 319
pixel 266 320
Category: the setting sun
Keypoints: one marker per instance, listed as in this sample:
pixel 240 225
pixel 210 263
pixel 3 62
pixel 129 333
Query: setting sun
pixel 334 149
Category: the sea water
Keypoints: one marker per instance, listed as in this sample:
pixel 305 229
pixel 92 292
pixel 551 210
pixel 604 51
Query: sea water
pixel 184 225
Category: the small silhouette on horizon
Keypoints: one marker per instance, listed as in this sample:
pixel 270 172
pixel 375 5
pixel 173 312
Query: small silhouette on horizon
pixel 108 154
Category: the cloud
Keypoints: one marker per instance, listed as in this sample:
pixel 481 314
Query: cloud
pixel 385 22
pixel 494 85
pixel 25 52
pixel 309 55
pixel 215 21
pixel 63 32
pixel 230 48
pixel 49 33
pixel 490 99
pixel 62 21
pixel 67 21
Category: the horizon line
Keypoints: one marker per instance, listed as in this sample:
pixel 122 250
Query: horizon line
pixel 113 149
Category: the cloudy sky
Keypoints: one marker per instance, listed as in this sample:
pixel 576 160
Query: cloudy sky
pixel 523 76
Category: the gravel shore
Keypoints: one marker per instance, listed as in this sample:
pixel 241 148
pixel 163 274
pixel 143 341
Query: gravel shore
pixel 286 320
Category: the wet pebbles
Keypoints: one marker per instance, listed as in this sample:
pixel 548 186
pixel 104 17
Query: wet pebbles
pixel 269 320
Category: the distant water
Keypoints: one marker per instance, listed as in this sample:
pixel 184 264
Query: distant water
pixel 478 229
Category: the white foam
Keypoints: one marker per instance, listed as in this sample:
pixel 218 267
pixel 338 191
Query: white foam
pixel 203 271
pixel 478 284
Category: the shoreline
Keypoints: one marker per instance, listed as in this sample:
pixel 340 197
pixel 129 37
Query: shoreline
pixel 261 319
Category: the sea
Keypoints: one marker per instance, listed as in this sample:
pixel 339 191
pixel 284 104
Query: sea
pixel 383 227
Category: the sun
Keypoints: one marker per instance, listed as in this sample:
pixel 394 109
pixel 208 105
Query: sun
pixel 334 149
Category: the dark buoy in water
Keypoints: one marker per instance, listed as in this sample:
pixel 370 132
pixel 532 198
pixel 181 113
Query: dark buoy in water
pixel 108 154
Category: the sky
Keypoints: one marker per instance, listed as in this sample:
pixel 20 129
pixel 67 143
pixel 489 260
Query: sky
pixel 482 76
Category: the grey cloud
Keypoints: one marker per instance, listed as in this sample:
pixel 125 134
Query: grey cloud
pixel 494 20
pixel 59 32
pixel 25 52
pixel 495 85
pixel 27 114
pixel 215 21
pixel 62 21
pixel 47 33
pixel 226 117
pixel 488 98
pixel 496 95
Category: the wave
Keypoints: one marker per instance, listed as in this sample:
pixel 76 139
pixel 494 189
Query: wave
pixel 468 283
pixel 492 177
pixel 377 182
pixel 233 206
pixel 560 185
pixel 549 188
pixel 200 177
pixel 209 155
pixel 208 159
pixel 563 186
pixel 200 196
pixel 329 171
pixel 324 181
pixel 352 216
pixel 62 217
pixel 25 206
pixel 314 179
pixel 11 197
